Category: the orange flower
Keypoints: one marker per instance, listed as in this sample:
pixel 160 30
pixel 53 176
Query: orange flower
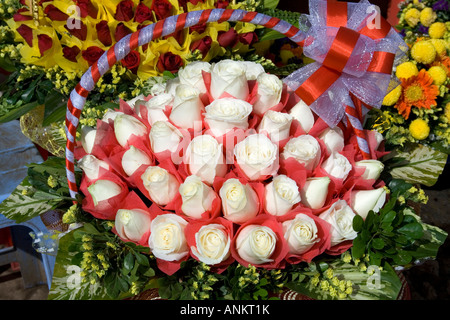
pixel 443 62
pixel 418 91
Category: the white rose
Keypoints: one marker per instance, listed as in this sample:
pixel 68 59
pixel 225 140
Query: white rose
pixel 315 191
pixel 161 185
pixel 340 216
pixel 373 168
pixel 337 165
pixel 88 138
pixel 167 240
pixel 270 88
pixel 192 74
pixel 281 195
pixel 156 107
pixel 239 202
pixel 197 197
pixel 171 85
pixel 276 124
pixel 212 244
pixel 103 190
pixel 91 166
pixel 256 244
pixel 111 115
pixel 132 159
pixel 305 149
pixel 125 126
pixel 257 156
pixel 300 233
pixel 333 138
pixel 204 158
pixel 132 102
pixel 362 201
pixel 164 136
pixel 229 76
pixel 225 114
pixel 187 107
pixel 303 114
pixel 252 69
pixel 132 224
pixel 158 89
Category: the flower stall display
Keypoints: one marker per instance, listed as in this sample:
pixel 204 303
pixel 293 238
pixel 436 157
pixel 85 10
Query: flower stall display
pixel 224 181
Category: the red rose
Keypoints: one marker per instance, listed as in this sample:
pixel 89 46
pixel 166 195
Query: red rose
pixel 200 28
pixel 131 60
pixel 124 10
pixel 92 54
pixel 143 13
pixel 103 33
pixel 87 8
pixel 222 4
pixel 228 38
pixel 203 45
pixel 194 2
pixel 248 38
pixel 71 53
pixel 169 62
pixel 79 32
pixel 44 43
pixel 55 14
pixel 162 8
pixel 121 31
pixel 27 33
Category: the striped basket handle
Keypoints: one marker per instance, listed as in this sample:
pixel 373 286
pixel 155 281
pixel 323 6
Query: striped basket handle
pixel 162 28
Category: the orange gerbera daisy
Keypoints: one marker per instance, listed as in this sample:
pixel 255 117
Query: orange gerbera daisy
pixel 418 91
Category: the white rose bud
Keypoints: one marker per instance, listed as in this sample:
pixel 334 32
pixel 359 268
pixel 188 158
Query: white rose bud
pixel 164 136
pixel 197 197
pixel 229 76
pixel 167 240
pixel 132 159
pixel 132 224
pixel 161 185
pixel 340 216
pixel 156 107
pixel 187 107
pixel 315 191
pixel 305 149
pixel 300 233
pixel 257 156
pixel 303 114
pixel 362 201
pixel 270 88
pixel 256 244
pixel 333 139
pixel 91 166
pixel 252 69
pixel 192 74
pixel 111 115
pixel 239 202
pixel 103 190
pixel 88 138
pixel 276 124
pixel 125 126
pixel 225 114
pixel 204 158
pixel 212 244
pixel 373 168
pixel 337 166
pixel 281 195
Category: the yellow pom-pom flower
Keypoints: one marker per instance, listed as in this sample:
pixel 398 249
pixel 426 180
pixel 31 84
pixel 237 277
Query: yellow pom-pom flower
pixel 437 30
pixel 406 70
pixel 440 45
pixel 438 74
pixel 447 111
pixel 412 17
pixel 423 52
pixel 392 97
pixel 419 129
pixel 427 16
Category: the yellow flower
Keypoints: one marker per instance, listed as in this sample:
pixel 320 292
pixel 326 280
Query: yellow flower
pixel 419 129
pixel 440 45
pixel 406 70
pixel 392 97
pixel 412 17
pixel 437 30
pixel 427 16
pixel 438 74
pixel 447 111
pixel 423 52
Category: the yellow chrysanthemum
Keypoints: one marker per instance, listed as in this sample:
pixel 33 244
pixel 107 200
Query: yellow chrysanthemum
pixel 419 129
pixel 440 45
pixel 392 97
pixel 427 16
pixel 412 17
pixel 406 70
pixel 438 74
pixel 437 30
pixel 423 52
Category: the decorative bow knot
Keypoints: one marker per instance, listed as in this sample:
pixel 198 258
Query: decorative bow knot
pixel 354 49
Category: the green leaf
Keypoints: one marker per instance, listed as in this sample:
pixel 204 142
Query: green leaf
pixel 378 243
pixel 359 247
pixel 413 230
pixel 141 259
pixel 272 35
pixel 270 4
pixel 128 263
pixel 358 223
pixel 18 112
pixel 389 217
